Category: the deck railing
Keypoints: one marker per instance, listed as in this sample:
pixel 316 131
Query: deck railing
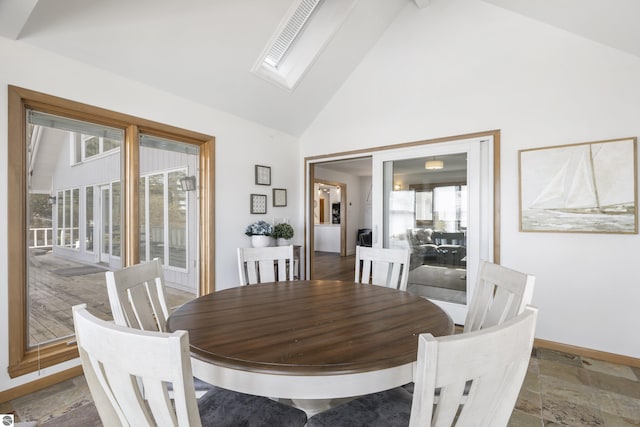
pixel 40 237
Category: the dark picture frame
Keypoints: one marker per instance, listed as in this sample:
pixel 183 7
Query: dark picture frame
pixel 258 203
pixel 279 197
pixel 263 175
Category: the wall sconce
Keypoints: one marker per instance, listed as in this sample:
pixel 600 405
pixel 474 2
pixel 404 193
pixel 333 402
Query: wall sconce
pixel 188 183
pixel 52 200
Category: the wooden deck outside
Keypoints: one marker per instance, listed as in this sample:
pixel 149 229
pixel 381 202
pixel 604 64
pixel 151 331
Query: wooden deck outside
pixel 54 289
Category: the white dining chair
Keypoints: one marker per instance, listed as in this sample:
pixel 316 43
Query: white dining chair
pixel 382 266
pixel 491 363
pixel 499 295
pixel 137 296
pixel 268 264
pixel 114 358
pixel 138 300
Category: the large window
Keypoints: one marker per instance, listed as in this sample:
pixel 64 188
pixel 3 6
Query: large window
pixel 84 211
pixel 450 207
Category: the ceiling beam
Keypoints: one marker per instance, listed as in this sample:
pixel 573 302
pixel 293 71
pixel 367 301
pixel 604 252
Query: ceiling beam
pixel 422 3
pixel 14 15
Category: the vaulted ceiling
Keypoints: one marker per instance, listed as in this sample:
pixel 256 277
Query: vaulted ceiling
pixel 203 50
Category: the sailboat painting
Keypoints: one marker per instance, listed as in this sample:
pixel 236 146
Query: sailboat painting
pixel 581 188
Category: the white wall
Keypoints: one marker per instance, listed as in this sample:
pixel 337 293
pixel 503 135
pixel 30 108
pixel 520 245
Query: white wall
pixel 239 146
pixel 461 66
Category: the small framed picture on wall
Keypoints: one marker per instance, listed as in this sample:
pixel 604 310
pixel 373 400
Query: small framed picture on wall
pixel 263 175
pixel 258 203
pixel 279 197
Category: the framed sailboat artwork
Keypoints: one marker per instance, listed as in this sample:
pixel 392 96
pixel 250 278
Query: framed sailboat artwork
pixel 580 188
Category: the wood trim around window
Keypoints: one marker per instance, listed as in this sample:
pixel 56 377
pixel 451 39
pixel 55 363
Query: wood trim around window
pixel 23 360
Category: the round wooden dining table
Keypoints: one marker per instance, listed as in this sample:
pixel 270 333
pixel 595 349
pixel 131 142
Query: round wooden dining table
pixel 310 340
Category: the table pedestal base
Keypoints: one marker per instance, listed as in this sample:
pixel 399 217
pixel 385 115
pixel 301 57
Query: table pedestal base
pixel 314 406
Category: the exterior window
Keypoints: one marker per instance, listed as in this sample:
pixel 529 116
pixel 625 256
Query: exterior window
pixel 177 220
pixel 91 146
pixel 109 144
pixel 70 217
pixel 67 226
pixel 424 206
pixel 115 219
pixel 450 206
pixel 67 232
pixel 156 217
pixel 142 221
pixel 84 147
pixel 166 209
pixel 60 216
pixel 75 217
pixel 89 221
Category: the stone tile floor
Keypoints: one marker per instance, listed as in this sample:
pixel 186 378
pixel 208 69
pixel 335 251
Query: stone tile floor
pixel 564 389
pixel 560 389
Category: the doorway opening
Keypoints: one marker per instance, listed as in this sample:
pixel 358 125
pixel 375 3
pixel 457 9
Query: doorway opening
pixel 339 211
pixel 436 198
pixel 329 216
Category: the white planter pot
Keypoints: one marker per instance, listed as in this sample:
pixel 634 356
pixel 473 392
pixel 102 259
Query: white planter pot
pixel 283 242
pixel 260 241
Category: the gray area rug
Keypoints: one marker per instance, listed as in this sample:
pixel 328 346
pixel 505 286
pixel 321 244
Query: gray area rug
pixel 79 271
pixel 440 294
pixel 439 277
pixel 439 283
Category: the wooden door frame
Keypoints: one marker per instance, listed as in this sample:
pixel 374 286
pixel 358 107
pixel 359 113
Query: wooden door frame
pixel 309 178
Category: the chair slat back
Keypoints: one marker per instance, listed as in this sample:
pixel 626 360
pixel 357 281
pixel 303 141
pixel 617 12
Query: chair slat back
pixel 261 265
pixel 382 266
pixel 500 294
pixel 493 360
pixel 137 296
pixel 114 358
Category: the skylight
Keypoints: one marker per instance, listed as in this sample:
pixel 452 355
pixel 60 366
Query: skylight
pixel 304 31
pixel 290 31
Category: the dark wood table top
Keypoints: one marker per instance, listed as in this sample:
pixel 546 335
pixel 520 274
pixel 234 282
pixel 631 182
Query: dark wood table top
pixel 309 327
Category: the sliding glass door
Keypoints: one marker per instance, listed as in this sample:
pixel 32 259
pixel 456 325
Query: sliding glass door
pixel 436 201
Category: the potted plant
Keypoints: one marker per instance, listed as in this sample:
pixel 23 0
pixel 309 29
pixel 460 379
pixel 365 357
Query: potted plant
pixel 260 233
pixel 283 233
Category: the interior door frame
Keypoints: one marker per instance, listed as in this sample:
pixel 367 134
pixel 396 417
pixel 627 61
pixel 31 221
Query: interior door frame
pixel 309 179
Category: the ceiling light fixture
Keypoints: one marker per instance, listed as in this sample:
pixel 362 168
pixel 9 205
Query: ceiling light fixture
pixel 433 164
